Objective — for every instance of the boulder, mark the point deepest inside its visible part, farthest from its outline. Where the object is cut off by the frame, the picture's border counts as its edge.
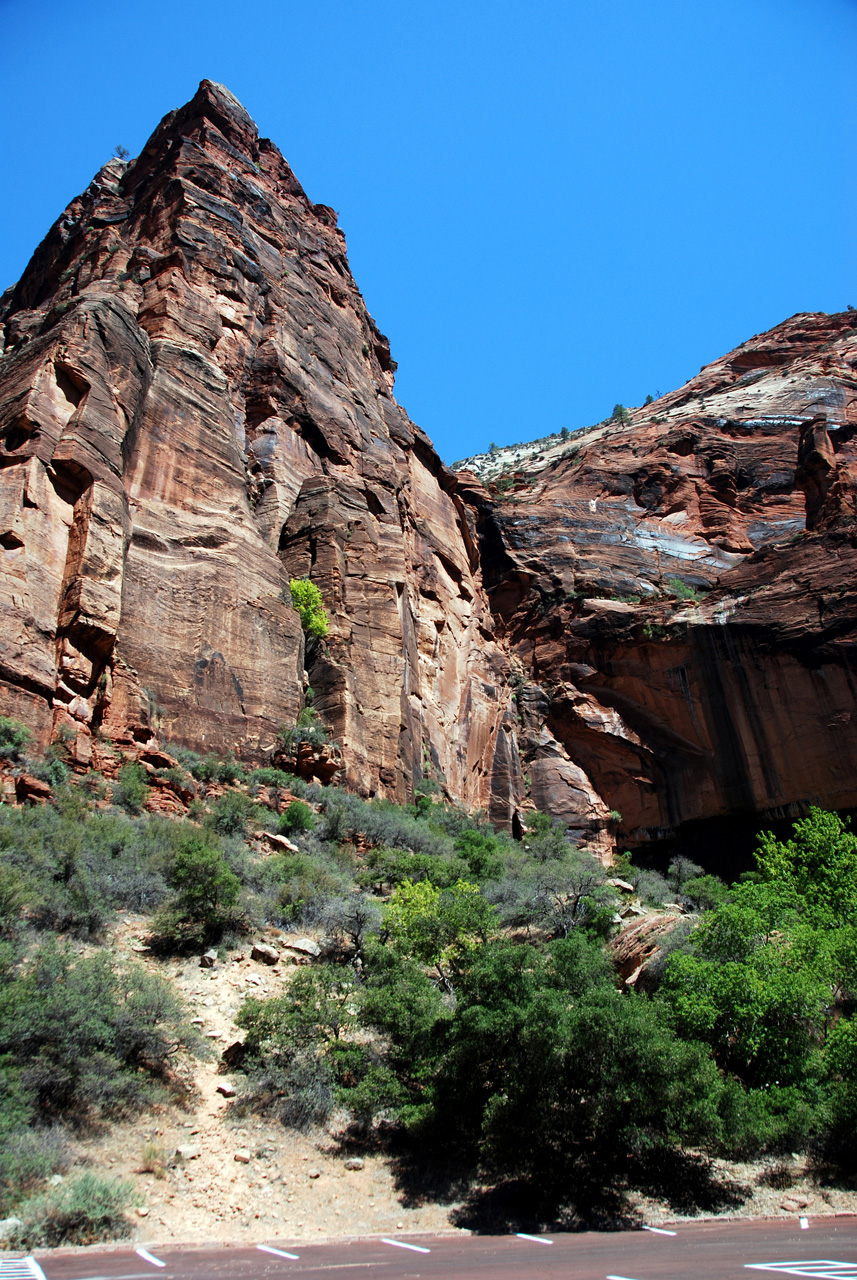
(264, 953)
(304, 946)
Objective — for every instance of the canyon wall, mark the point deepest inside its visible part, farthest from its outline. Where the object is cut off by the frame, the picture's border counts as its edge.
(195, 407)
(648, 624)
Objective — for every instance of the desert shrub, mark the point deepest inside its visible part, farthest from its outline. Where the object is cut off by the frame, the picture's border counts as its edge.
(651, 886)
(80, 1210)
(131, 788)
(231, 812)
(14, 737)
(301, 884)
(71, 867)
(301, 1060)
(350, 919)
(82, 1037)
(28, 1157)
(154, 1159)
(381, 823)
(203, 904)
(297, 817)
(557, 894)
(307, 729)
(211, 768)
(680, 870)
(298, 1090)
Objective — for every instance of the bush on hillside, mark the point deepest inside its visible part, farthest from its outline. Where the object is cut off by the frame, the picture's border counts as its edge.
(80, 1210)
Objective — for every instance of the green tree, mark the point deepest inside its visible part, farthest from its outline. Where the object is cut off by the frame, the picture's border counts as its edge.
(769, 979)
(440, 928)
(307, 599)
(621, 414)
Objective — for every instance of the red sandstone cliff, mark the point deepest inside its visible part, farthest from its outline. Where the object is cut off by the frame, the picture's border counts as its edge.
(195, 406)
(740, 486)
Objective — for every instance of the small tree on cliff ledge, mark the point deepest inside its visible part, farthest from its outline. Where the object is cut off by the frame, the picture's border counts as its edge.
(306, 598)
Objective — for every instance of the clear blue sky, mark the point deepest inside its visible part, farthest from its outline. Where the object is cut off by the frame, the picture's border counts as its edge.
(550, 205)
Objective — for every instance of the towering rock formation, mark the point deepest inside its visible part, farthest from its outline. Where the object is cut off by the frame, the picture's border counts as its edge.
(197, 406)
(647, 625)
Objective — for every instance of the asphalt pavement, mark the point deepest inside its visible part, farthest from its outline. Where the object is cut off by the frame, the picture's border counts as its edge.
(825, 1249)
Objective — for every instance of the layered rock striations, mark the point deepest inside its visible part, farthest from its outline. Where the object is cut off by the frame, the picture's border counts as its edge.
(197, 406)
(679, 594)
(647, 625)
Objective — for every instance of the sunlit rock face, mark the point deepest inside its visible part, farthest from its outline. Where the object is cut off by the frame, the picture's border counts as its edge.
(646, 625)
(197, 406)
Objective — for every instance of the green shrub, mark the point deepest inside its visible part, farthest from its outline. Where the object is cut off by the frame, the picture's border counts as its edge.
(131, 788)
(14, 737)
(204, 901)
(683, 590)
(306, 729)
(82, 1037)
(274, 778)
(297, 817)
(230, 813)
(80, 1210)
(308, 601)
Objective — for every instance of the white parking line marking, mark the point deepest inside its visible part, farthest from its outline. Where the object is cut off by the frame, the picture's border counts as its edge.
(148, 1257)
(21, 1269)
(400, 1244)
(618, 1278)
(522, 1235)
(281, 1253)
(817, 1269)
(659, 1231)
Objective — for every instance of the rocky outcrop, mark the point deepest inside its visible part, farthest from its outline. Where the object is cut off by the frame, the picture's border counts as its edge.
(679, 592)
(647, 625)
(196, 406)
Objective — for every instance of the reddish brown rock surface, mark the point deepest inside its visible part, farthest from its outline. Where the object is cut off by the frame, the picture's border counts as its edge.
(195, 407)
(679, 593)
(653, 619)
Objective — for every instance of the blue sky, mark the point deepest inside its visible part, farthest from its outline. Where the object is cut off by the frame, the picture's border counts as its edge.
(550, 205)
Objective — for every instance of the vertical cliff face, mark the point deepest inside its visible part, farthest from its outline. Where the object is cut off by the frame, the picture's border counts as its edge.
(197, 406)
